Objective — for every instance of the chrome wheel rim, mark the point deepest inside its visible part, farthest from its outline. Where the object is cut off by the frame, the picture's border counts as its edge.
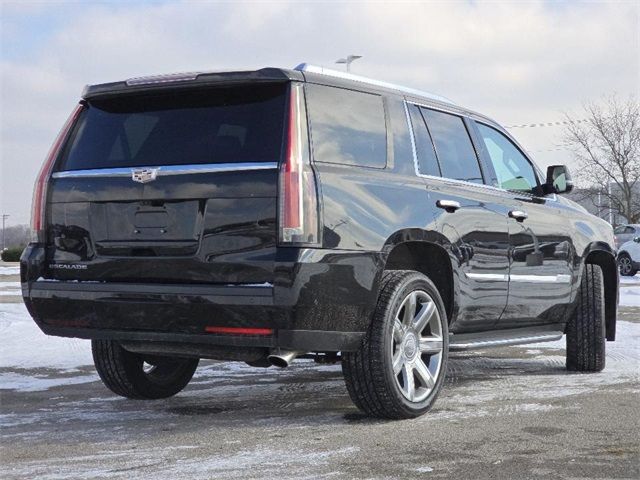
(625, 265)
(417, 346)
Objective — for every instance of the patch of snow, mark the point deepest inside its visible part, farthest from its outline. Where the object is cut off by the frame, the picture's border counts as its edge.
(23, 345)
(9, 271)
(635, 280)
(630, 295)
(38, 383)
(424, 469)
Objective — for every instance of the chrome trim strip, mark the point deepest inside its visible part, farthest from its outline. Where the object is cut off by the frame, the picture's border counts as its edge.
(540, 278)
(561, 278)
(453, 181)
(499, 277)
(168, 170)
(305, 67)
(413, 138)
(471, 344)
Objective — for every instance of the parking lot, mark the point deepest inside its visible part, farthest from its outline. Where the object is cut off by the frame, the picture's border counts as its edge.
(507, 413)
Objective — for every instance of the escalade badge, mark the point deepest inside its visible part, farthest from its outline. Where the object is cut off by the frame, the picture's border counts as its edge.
(144, 175)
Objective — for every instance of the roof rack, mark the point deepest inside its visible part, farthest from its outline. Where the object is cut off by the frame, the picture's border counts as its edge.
(305, 67)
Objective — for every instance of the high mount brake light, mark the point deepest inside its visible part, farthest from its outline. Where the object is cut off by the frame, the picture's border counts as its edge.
(38, 205)
(298, 196)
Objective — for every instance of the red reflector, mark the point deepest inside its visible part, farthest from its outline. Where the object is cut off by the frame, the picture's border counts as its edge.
(239, 330)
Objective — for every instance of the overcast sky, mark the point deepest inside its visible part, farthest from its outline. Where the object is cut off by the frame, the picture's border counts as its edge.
(518, 62)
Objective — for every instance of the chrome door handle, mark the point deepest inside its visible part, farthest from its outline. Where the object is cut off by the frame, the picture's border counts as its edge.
(448, 205)
(519, 215)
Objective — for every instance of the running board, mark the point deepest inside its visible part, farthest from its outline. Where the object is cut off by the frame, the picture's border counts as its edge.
(503, 338)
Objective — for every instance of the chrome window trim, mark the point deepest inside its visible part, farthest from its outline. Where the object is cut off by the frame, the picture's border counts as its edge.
(511, 193)
(306, 67)
(167, 170)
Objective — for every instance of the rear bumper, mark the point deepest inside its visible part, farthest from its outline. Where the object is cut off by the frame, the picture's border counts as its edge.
(322, 301)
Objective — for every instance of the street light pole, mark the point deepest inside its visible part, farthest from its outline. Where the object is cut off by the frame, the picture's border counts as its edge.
(348, 61)
(4, 217)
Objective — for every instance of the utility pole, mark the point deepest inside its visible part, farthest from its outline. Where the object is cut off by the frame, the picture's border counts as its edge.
(347, 61)
(4, 218)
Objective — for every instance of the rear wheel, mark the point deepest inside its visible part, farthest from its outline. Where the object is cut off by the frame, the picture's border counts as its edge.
(586, 328)
(399, 368)
(625, 265)
(138, 376)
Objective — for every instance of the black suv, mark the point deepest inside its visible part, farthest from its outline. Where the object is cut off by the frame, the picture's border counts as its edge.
(262, 215)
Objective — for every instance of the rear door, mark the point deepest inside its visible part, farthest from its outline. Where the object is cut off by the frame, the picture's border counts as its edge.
(472, 218)
(541, 246)
(177, 187)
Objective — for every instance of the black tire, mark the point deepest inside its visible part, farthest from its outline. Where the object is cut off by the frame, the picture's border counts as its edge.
(369, 372)
(124, 372)
(586, 328)
(625, 265)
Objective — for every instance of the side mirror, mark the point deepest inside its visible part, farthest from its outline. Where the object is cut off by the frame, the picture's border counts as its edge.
(636, 239)
(558, 180)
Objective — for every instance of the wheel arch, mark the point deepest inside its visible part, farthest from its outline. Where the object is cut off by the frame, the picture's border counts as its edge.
(605, 258)
(425, 252)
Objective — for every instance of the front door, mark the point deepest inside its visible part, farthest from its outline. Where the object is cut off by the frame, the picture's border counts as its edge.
(540, 273)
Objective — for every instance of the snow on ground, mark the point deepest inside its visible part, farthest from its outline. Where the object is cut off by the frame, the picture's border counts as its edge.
(13, 270)
(24, 346)
(630, 291)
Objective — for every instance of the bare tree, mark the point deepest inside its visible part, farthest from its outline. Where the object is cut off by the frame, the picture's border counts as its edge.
(607, 146)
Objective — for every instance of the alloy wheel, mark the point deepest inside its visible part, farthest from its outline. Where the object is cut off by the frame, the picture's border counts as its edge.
(417, 346)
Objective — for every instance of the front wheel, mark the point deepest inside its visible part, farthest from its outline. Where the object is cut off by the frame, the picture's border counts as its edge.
(138, 376)
(586, 335)
(400, 365)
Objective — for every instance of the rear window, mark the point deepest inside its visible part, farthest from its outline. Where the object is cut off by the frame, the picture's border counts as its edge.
(347, 127)
(226, 125)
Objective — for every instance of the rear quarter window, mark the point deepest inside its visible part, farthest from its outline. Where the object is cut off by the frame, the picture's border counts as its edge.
(347, 127)
(222, 125)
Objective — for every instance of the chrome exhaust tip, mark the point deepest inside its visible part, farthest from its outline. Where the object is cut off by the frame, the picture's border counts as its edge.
(282, 358)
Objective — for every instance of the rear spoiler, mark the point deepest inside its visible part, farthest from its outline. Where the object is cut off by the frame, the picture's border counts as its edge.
(179, 81)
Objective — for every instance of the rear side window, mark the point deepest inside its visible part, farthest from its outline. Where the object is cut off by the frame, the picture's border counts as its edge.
(226, 125)
(455, 151)
(427, 161)
(347, 127)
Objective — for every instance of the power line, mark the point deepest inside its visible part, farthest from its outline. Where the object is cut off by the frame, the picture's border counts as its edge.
(548, 124)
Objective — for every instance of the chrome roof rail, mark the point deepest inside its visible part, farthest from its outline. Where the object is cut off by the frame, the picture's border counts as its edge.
(305, 67)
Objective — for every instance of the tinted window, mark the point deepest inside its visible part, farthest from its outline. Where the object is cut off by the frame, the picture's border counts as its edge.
(513, 170)
(453, 146)
(402, 152)
(427, 161)
(217, 126)
(347, 127)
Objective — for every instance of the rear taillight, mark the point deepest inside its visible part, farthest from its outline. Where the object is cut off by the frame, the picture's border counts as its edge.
(40, 187)
(298, 194)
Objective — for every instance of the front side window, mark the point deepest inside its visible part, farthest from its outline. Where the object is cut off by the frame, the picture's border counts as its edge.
(512, 168)
(347, 127)
(453, 145)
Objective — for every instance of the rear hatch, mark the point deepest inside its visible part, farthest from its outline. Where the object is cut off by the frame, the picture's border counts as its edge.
(173, 186)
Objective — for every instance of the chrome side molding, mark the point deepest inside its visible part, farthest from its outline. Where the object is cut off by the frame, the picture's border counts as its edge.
(499, 277)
